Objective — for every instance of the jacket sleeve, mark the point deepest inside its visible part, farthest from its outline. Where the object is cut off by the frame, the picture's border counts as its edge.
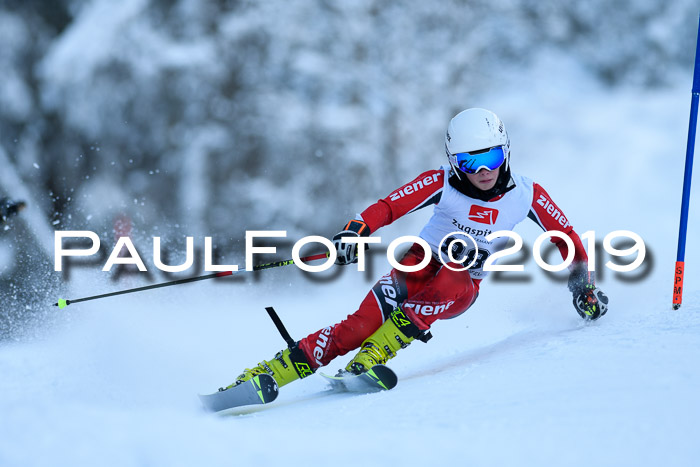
(548, 216)
(423, 191)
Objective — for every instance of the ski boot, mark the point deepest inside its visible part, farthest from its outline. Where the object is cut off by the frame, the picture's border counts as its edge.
(287, 365)
(396, 333)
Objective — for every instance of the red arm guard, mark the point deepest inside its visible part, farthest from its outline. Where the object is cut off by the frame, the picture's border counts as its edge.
(550, 217)
(425, 190)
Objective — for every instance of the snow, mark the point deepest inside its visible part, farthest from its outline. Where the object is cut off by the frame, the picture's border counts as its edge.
(101, 25)
(499, 386)
(518, 380)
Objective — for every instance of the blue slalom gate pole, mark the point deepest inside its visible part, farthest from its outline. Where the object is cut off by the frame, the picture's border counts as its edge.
(685, 204)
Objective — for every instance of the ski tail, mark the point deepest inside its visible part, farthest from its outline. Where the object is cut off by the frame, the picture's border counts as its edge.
(377, 378)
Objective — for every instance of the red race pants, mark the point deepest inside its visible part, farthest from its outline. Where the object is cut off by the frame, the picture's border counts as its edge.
(435, 292)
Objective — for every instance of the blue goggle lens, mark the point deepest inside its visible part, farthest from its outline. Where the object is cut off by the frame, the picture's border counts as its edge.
(471, 163)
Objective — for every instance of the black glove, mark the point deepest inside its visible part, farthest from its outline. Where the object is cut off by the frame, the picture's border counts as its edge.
(590, 302)
(347, 252)
(9, 207)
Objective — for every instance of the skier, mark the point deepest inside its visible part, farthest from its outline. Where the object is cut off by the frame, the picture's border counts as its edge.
(9, 207)
(476, 194)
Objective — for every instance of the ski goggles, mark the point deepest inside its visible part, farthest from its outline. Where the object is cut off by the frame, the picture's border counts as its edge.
(472, 162)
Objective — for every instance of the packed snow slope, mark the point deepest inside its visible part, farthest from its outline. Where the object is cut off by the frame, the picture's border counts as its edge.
(518, 380)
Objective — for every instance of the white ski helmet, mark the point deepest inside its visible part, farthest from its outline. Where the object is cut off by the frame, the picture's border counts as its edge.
(474, 131)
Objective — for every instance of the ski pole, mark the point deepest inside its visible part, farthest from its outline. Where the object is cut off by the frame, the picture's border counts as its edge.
(280, 326)
(62, 303)
(685, 203)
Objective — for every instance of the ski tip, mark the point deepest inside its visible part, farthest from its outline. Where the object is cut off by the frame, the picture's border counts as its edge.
(206, 401)
(262, 389)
